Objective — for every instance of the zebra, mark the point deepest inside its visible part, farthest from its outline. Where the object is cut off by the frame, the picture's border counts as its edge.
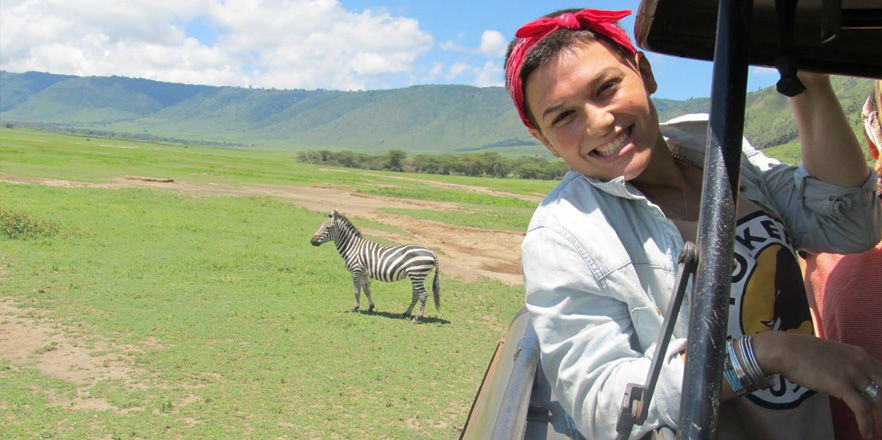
(367, 259)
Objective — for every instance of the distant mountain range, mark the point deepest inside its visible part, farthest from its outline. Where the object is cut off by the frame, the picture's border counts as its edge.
(425, 119)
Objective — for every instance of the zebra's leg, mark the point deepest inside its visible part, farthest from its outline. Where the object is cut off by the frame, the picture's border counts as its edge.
(356, 281)
(367, 293)
(418, 294)
(413, 300)
(423, 294)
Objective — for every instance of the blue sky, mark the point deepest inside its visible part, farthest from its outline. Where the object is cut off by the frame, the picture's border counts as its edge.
(464, 21)
(308, 44)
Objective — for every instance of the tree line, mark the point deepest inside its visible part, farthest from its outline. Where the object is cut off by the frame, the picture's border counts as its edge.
(487, 164)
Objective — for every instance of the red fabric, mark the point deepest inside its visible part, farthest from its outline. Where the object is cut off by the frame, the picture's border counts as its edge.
(597, 21)
(848, 293)
(872, 125)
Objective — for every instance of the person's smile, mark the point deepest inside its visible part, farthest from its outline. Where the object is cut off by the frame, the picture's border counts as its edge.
(614, 146)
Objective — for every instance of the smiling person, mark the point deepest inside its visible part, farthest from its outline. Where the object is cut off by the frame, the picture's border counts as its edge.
(600, 254)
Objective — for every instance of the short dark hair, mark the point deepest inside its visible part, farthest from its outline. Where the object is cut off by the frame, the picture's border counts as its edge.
(554, 43)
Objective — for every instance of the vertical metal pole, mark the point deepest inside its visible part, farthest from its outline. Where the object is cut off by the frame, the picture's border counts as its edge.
(700, 403)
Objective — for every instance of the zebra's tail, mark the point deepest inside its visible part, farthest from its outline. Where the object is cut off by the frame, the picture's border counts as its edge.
(436, 286)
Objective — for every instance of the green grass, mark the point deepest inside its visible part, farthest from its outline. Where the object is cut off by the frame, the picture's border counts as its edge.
(31, 154)
(51, 155)
(233, 325)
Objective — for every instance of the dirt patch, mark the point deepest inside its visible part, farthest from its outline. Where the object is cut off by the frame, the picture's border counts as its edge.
(29, 339)
(468, 254)
(150, 179)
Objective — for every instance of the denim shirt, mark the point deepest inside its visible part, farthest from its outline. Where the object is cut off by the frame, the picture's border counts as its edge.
(600, 261)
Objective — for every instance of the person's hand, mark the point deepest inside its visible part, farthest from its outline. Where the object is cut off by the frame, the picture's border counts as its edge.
(839, 370)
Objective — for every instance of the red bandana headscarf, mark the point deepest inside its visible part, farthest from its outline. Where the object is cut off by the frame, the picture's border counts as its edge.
(599, 22)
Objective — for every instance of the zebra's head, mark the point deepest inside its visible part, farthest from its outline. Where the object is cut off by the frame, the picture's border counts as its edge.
(323, 235)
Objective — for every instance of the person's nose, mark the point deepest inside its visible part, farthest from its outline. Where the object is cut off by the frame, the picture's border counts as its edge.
(599, 118)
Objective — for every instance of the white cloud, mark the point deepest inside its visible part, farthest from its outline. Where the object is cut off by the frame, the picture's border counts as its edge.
(437, 68)
(434, 73)
(457, 69)
(659, 60)
(452, 46)
(491, 74)
(493, 44)
(274, 43)
(761, 70)
(488, 75)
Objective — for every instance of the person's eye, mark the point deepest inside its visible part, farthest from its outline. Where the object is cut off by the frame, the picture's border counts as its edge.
(607, 86)
(561, 117)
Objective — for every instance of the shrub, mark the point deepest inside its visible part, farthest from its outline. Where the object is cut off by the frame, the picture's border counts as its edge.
(19, 225)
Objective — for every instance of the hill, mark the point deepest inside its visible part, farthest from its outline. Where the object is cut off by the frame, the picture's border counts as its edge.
(428, 118)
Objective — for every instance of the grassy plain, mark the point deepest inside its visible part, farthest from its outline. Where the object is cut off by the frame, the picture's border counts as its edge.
(227, 322)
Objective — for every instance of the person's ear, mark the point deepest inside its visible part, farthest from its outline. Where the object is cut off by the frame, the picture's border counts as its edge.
(544, 140)
(646, 73)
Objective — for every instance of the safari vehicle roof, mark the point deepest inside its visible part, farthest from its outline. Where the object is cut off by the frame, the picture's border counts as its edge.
(687, 28)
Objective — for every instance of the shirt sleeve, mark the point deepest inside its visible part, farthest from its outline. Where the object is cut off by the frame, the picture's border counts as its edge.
(820, 216)
(587, 337)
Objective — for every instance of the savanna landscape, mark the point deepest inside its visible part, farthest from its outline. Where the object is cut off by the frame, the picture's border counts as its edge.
(163, 290)
(157, 279)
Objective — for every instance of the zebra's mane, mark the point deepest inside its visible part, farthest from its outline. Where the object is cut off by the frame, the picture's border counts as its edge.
(348, 225)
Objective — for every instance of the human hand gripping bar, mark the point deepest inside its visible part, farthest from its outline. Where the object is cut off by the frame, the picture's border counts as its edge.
(635, 405)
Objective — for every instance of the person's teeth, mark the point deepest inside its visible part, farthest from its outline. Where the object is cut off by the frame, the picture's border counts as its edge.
(615, 145)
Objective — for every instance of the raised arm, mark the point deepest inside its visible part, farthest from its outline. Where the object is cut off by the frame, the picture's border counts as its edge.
(830, 151)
